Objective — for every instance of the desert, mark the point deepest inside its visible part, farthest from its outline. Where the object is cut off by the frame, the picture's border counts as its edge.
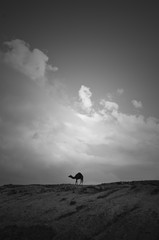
(112, 211)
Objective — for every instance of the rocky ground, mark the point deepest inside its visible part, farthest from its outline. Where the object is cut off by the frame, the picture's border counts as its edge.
(121, 211)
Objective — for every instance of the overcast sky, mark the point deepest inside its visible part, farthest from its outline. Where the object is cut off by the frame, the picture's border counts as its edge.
(79, 91)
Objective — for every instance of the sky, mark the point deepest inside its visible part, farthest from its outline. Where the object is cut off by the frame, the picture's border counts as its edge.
(79, 91)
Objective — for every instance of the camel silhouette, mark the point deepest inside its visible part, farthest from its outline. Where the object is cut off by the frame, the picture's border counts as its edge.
(78, 176)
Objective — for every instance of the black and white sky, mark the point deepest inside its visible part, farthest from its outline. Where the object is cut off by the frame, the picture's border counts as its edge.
(79, 91)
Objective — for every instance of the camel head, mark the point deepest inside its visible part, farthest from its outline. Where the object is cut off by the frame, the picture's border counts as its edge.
(71, 176)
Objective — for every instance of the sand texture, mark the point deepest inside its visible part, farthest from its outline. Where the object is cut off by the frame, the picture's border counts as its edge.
(112, 211)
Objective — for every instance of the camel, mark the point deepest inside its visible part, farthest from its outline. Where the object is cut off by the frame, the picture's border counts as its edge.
(78, 176)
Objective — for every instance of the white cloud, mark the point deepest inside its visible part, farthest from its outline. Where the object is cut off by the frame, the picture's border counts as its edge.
(54, 69)
(110, 106)
(120, 91)
(85, 97)
(36, 124)
(110, 96)
(137, 104)
(62, 136)
(31, 63)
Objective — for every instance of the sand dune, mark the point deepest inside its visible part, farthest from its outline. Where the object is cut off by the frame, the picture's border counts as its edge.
(121, 211)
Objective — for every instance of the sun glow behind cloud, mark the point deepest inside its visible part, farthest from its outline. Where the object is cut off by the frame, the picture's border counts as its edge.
(46, 129)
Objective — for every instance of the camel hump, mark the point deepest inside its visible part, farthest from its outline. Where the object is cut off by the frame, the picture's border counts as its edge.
(79, 175)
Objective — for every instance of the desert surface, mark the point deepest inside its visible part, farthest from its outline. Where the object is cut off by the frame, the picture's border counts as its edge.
(112, 211)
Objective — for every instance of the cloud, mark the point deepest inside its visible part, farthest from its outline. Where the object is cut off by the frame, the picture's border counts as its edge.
(110, 96)
(31, 63)
(113, 95)
(54, 69)
(58, 137)
(85, 97)
(137, 104)
(44, 136)
(120, 91)
(110, 106)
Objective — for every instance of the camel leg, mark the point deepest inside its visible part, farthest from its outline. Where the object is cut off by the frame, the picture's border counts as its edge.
(81, 182)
